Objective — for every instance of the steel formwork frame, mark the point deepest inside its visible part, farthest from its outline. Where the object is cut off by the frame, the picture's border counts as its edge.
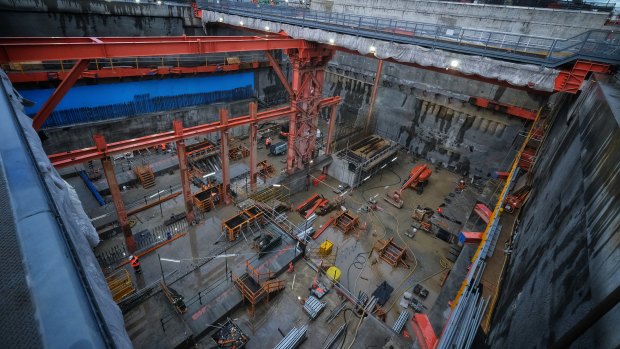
(305, 98)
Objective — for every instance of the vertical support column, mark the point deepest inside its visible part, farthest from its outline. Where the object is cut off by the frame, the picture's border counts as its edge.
(177, 126)
(224, 155)
(373, 96)
(253, 146)
(292, 128)
(117, 198)
(330, 134)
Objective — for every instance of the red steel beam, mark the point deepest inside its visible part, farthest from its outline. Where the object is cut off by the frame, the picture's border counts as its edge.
(122, 72)
(224, 155)
(117, 198)
(14, 50)
(58, 93)
(504, 108)
(75, 157)
(279, 73)
(177, 126)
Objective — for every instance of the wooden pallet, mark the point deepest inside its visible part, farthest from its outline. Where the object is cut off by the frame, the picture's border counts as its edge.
(391, 253)
(265, 169)
(346, 222)
(238, 152)
(145, 175)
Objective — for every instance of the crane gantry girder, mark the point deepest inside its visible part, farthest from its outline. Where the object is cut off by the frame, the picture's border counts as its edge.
(14, 50)
(79, 156)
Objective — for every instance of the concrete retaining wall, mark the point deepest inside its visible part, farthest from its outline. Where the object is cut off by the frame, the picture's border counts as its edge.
(431, 122)
(523, 20)
(95, 18)
(567, 253)
(80, 136)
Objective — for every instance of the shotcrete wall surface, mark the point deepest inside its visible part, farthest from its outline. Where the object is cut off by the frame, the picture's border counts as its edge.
(536, 77)
(523, 20)
(96, 18)
(445, 131)
(567, 252)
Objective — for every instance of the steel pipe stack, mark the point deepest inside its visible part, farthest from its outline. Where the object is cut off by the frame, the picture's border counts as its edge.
(293, 339)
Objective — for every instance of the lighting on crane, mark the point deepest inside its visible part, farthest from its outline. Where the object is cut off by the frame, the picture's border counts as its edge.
(267, 28)
(331, 41)
(241, 23)
(454, 63)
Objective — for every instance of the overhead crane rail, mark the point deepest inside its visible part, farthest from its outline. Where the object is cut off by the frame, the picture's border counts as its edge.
(601, 46)
(30, 49)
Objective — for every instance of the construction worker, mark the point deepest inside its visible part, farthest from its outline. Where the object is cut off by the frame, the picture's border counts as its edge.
(461, 186)
(267, 142)
(135, 264)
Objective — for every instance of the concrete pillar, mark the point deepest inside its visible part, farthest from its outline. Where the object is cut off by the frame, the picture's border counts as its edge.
(373, 96)
(330, 134)
(492, 127)
(253, 146)
(476, 123)
(484, 124)
(499, 131)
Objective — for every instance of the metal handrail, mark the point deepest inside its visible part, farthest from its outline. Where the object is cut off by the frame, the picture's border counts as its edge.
(596, 45)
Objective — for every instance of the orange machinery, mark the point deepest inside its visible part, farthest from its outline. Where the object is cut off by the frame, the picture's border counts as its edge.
(417, 178)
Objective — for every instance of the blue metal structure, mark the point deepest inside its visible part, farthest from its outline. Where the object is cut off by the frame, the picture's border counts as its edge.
(595, 45)
(91, 103)
(92, 188)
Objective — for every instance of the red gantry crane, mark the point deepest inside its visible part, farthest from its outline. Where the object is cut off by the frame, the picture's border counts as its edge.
(417, 179)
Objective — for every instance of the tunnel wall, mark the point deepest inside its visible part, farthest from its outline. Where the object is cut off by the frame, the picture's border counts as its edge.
(96, 18)
(522, 20)
(428, 117)
(567, 252)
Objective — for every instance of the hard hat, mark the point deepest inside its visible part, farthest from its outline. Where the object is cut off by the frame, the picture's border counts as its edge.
(131, 257)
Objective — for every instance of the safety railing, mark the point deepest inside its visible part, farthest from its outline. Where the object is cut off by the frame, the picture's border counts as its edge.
(216, 59)
(595, 45)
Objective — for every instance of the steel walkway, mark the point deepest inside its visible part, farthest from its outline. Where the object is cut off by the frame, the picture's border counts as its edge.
(596, 45)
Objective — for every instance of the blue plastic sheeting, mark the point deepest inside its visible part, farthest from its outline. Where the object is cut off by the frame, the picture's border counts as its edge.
(143, 104)
(92, 188)
(106, 101)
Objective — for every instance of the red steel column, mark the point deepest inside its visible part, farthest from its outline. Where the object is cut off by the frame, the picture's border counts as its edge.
(330, 134)
(224, 155)
(253, 146)
(292, 128)
(58, 93)
(117, 198)
(373, 96)
(177, 126)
